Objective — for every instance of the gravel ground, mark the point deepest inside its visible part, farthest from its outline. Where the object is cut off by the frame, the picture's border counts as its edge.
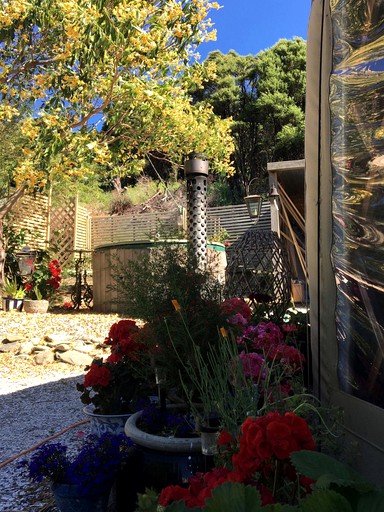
(37, 402)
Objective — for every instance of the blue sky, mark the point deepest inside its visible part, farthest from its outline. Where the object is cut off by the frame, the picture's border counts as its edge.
(248, 26)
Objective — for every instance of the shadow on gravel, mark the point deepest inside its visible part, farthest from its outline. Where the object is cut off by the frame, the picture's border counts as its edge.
(28, 417)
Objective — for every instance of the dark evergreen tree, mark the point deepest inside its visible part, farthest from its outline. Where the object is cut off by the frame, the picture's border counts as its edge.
(265, 96)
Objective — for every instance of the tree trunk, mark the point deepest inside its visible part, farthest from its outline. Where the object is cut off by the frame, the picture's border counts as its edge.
(4, 209)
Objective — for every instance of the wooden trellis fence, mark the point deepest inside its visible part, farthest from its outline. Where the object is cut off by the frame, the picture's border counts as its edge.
(235, 219)
(31, 215)
(70, 230)
(146, 226)
(132, 228)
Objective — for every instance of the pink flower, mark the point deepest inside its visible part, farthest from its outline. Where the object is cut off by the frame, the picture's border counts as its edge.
(237, 319)
(253, 365)
(231, 307)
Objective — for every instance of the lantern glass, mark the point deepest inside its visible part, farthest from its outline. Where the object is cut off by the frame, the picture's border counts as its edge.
(253, 203)
(26, 261)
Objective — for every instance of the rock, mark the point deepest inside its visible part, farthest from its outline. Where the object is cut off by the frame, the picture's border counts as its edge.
(74, 357)
(82, 347)
(26, 348)
(35, 340)
(40, 348)
(97, 341)
(45, 357)
(10, 338)
(62, 347)
(10, 347)
(58, 338)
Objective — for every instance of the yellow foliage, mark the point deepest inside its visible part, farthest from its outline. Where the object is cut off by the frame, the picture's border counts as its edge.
(88, 63)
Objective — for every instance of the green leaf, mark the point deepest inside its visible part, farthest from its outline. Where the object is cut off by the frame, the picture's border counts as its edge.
(278, 507)
(234, 497)
(320, 466)
(180, 506)
(372, 502)
(326, 501)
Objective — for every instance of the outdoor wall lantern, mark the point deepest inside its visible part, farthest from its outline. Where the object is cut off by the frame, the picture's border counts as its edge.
(253, 202)
(26, 260)
(273, 193)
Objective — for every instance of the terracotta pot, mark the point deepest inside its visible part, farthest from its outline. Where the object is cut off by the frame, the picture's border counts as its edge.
(35, 306)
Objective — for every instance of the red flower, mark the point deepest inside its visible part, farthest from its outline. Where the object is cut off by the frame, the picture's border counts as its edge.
(232, 307)
(55, 283)
(97, 376)
(289, 327)
(301, 431)
(121, 330)
(127, 347)
(54, 268)
(200, 488)
(279, 392)
(287, 354)
(266, 496)
(307, 483)
(172, 493)
(280, 439)
(224, 438)
(267, 436)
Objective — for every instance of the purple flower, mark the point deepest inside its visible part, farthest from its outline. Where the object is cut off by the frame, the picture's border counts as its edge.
(97, 461)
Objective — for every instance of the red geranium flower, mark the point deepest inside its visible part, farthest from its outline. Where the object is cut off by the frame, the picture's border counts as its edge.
(121, 330)
(267, 436)
(97, 376)
(266, 496)
(224, 438)
(172, 493)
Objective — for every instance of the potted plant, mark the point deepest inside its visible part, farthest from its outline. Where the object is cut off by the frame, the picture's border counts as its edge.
(13, 295)
(327, 484)
(42, 283)
(260, 455)
(80, 481)
(112, 387)
(247, 370)
(254, 384)
(169, 444)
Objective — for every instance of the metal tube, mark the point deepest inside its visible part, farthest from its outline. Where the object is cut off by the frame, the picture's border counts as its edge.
(196, 173)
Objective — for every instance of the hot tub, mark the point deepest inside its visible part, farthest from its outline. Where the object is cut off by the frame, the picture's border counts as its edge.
(104, 256)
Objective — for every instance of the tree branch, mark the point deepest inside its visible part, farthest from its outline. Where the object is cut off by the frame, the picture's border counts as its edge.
(11, 201)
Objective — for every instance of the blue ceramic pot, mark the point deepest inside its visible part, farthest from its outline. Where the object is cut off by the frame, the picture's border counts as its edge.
(105, 423)
(165, 460)
(69, 498)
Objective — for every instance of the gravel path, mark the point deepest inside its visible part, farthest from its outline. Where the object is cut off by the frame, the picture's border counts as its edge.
(37, 402)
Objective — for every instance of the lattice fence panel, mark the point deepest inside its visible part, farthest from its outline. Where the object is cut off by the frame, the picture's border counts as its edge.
(133, 228)
(70, 230)
(235, 220)
(146, 226)
(31, 214)
(63, 231)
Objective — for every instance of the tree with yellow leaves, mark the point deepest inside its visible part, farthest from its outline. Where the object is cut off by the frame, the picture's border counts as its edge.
(124, 65)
